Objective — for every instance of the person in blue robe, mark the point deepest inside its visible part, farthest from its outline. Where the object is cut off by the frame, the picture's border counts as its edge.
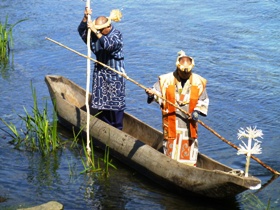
(108, 87)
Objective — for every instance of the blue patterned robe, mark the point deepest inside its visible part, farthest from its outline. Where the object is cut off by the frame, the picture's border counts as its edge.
(108, 87)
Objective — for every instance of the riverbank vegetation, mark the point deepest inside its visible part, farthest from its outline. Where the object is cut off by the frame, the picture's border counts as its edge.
(39, 133)
(6, 40)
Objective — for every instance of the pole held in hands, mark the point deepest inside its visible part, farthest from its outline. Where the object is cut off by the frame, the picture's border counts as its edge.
(175, 105)
(88, 80)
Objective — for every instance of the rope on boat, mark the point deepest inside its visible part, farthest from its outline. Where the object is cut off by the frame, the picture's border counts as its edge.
(237, 172)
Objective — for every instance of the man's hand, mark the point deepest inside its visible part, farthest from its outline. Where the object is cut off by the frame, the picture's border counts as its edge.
(195, 115)
(149, 91)
(91, 26)
(87, 12)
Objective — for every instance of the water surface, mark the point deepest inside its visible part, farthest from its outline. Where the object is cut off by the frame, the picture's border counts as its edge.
(236, 47)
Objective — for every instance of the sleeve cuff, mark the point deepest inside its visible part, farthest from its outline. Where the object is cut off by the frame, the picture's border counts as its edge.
(102, 40)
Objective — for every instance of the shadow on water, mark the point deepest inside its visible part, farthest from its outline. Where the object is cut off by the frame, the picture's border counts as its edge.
(127, 189)
(175, 200)
(270, 181)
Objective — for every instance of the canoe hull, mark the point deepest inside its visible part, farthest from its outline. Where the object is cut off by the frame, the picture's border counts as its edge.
(139, 145)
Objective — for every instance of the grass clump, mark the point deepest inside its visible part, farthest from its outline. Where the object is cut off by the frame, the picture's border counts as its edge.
(91, 164)
(6, 40)
(39, 132)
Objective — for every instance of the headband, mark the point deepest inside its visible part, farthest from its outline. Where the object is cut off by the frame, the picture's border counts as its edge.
(115, 15)
(105, 25)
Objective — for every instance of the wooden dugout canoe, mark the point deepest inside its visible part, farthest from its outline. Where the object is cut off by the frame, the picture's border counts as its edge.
(138, 145)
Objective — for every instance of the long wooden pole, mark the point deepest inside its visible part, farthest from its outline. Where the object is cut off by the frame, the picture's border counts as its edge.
(178, 107)
(88, 81)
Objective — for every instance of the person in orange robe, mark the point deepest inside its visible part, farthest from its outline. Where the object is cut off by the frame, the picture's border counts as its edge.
(187, 90)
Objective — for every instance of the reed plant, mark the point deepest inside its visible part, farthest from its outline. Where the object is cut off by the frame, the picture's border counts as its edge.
(6, 40)
(107, 162)
(76, 136)
(72, 170)
(14, 133)
(89, 161)
(251, 201)
(39, 133)
(94, 166)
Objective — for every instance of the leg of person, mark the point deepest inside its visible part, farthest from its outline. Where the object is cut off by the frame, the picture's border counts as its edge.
(114, 118)
(105, 116)
(118, 121)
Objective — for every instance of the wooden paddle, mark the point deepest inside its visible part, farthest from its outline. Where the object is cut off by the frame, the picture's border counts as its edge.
(178, 107)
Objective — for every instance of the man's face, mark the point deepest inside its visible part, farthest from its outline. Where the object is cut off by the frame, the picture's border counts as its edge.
(105, 31)
(183, 71)
(184, 74)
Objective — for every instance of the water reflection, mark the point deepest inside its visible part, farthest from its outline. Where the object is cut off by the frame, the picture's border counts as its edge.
(42, 172)
(126, 189)
(7, 68)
